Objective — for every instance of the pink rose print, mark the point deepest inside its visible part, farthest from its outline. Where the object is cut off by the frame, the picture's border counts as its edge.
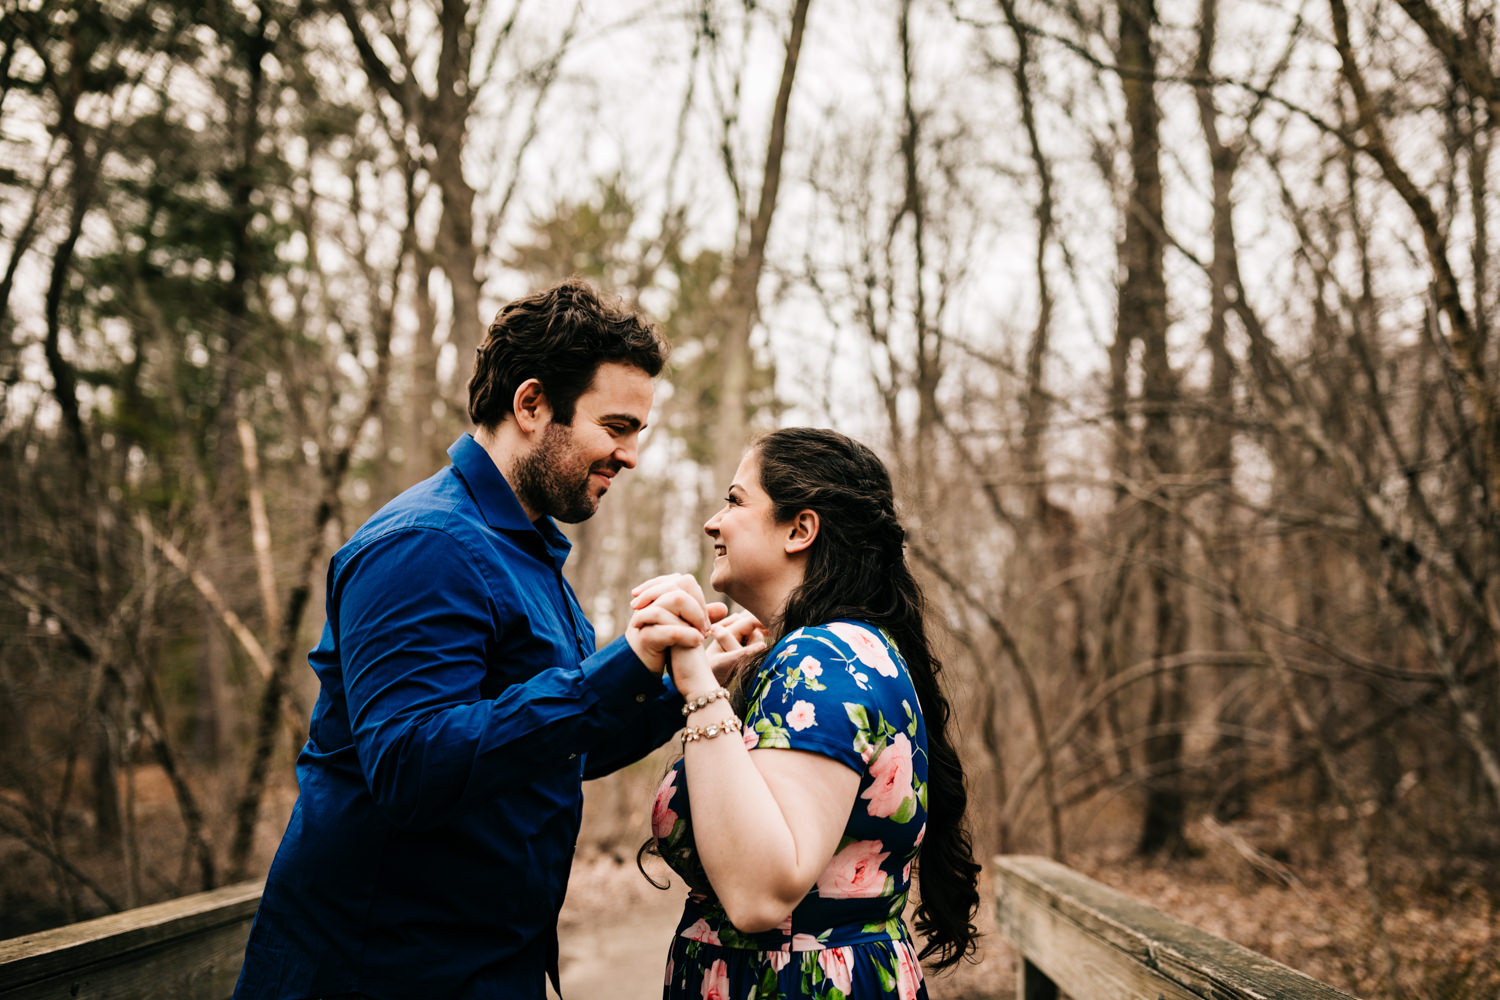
(835, 965)
(751, 737)
(777, 960)
(892, 778)
(920, 834)
(716, 982)
(869, 649)
(662, 818)
(810, 667)
(908, 972)
(702, 932)
(801, 716)
(806, 942)
(668, 980)
(854, 872)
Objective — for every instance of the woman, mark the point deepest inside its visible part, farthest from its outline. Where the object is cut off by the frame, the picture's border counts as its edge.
(798, 837)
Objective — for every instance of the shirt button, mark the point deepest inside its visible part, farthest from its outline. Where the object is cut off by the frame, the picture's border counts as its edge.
(640, 699)
(572, 756)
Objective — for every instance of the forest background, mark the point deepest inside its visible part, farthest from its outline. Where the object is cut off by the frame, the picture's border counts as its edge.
(1175, 320)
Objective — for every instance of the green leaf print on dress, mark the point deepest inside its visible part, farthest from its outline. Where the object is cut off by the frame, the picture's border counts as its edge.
(870, 739)
(771, 732)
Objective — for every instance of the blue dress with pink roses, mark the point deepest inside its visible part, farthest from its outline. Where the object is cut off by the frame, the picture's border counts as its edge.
(841, 690)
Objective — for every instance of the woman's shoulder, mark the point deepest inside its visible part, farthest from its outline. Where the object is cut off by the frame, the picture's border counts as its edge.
(862, 650)
(844, 677)
(857, 642)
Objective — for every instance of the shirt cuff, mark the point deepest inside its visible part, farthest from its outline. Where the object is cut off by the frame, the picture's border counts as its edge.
(616, 675)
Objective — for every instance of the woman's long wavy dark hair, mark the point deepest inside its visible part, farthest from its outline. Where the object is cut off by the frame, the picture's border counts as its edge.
(856, 569)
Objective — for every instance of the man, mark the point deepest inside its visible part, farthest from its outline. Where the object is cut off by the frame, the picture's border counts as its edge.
(462, 699)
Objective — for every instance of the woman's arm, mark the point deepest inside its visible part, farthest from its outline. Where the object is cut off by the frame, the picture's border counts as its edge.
(765, 822)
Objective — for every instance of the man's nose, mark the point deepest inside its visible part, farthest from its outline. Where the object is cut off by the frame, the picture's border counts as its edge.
(627, 453)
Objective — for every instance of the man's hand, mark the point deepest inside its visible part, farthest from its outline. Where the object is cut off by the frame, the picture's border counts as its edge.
(668, 611)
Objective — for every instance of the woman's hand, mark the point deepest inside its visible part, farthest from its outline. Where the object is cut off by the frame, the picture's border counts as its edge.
(732, 641)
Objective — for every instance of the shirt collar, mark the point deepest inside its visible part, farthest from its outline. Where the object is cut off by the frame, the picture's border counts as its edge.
(497, 501)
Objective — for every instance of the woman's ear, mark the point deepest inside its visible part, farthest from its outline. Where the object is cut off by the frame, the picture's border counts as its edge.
(804, 529)
(530, 406)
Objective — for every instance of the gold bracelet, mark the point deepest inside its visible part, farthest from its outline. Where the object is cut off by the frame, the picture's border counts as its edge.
(703, 701)
(694, 733)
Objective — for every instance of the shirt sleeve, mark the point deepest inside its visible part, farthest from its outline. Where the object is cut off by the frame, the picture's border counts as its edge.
(814, 694)
(638, 733)
(416, 623)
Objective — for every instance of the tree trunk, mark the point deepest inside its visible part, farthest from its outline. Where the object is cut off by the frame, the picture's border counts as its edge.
(440, 121)
(1216, 458)
(1143, 318)
(742, 299)
(446, 128)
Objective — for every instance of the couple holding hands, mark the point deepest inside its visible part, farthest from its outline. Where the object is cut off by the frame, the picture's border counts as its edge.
(464, 700)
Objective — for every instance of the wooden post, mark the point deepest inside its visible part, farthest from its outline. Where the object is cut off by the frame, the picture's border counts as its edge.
(1034, 983)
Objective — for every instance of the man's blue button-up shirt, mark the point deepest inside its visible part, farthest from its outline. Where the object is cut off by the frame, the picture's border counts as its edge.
(462, 704)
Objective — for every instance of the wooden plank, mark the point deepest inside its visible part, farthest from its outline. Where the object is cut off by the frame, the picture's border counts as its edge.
(189, 948)
(1097, 943)
(1083, 964)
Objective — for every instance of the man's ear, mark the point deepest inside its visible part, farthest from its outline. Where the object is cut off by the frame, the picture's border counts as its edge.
(804, 530)
(530, 406)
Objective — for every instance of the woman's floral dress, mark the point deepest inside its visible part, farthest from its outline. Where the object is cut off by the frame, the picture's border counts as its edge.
(841, 690)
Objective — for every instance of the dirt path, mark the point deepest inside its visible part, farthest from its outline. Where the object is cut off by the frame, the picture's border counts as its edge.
(614, 932)
(615, 928)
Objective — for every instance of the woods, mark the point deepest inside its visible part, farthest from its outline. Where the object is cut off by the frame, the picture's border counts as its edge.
(1176, 320)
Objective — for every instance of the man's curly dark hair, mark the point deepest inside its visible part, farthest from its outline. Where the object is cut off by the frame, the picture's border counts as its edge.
(559, 336)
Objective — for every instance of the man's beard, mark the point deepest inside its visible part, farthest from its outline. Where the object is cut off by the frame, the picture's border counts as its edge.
(551, 480)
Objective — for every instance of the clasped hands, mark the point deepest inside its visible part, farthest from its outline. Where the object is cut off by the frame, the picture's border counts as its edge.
(698, 642)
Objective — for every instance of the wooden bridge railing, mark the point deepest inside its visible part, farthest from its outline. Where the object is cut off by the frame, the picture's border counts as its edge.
(1075, 937)
(1079, 938)
(184, 949)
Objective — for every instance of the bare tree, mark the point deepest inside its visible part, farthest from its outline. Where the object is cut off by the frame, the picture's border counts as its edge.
(740, 307)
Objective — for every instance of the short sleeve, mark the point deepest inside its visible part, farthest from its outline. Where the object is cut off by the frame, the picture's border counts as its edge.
(823, 690)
